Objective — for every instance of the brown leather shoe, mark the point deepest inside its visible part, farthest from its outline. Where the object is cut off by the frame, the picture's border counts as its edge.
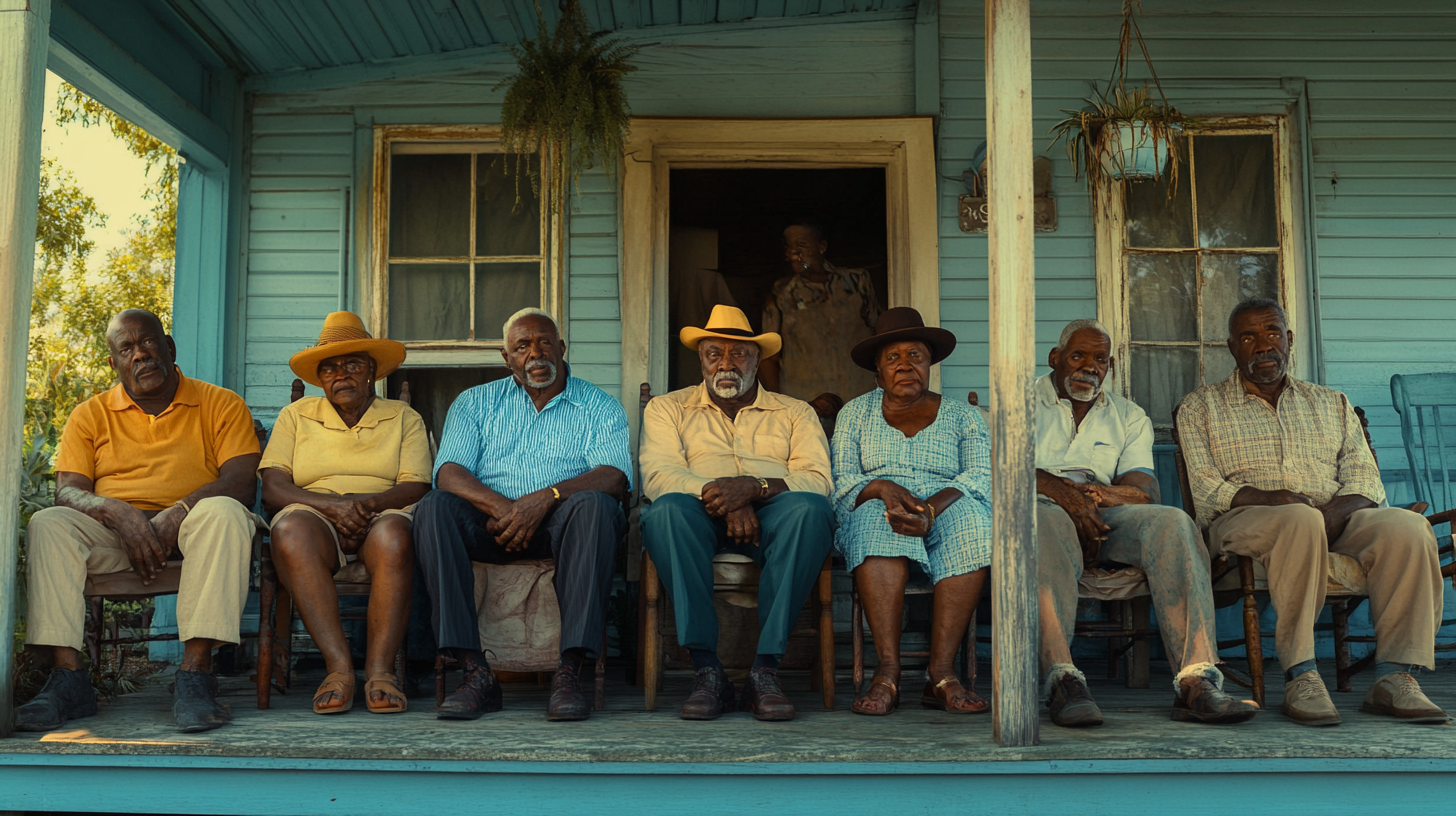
(567, 703)
(764, 698)
(1307, 702)
(1203, 700)
(712, 696)
(478, 693)
(1400, 696)
(1070, 702)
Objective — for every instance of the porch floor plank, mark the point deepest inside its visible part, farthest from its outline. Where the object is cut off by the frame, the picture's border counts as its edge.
(1137, 727)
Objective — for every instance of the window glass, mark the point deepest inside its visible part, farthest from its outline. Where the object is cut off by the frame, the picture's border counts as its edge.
(429, 301)
(429, 206)
(503, 226)
(1191, 258)
(501, 290)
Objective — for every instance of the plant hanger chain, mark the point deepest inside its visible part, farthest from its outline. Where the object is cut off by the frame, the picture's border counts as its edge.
(1130, 30)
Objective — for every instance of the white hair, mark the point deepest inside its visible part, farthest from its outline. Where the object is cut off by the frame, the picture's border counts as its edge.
(529, 311)
(1078, 325)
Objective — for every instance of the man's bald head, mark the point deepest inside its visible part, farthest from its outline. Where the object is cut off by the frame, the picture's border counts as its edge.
(143, 317)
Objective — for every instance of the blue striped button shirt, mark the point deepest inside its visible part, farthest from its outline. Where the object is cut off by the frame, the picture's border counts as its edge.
(494, 431)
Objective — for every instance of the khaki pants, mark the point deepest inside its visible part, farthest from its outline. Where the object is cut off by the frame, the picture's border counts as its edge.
(1396, 548)
(63, 546)
(1161, 541)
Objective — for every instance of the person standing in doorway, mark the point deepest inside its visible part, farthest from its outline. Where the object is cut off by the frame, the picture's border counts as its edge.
(819, 310)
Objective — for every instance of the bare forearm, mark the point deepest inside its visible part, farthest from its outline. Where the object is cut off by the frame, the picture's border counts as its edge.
(1134, 487)
(237, 479)
(97, 507)
(279, 491)
(400, 496)
(453, 478)
(944, 499)
(605, 479)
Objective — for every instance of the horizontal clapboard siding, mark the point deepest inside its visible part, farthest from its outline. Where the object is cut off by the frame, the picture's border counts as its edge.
(301, 178)
(304, 142)
(1381, 85)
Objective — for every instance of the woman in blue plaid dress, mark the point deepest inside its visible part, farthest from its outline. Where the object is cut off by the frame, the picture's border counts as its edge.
(912, 476)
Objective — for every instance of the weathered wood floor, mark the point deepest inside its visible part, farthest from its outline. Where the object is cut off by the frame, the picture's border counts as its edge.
(1137, 728)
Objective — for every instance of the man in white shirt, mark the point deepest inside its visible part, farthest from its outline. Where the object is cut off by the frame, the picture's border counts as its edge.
(1097, 501)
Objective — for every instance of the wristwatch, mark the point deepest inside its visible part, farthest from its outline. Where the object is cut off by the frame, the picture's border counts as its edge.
(762, 487)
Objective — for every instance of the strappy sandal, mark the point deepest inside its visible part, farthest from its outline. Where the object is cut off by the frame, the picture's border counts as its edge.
(861, 706)
(340, 683)
(387, 684)
(950, 695)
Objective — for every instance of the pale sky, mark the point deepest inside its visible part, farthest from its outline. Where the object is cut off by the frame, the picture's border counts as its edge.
(103, 168)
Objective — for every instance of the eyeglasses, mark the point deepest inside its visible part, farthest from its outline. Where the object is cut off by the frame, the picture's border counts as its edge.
(350, 367)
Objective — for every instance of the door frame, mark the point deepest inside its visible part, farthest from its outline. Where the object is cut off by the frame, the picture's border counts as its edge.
(904, 147)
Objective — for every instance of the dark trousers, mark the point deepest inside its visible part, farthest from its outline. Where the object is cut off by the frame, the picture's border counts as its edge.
(797, 530)
(581, 535)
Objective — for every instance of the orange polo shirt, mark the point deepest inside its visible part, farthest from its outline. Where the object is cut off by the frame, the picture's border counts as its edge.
(152, 461)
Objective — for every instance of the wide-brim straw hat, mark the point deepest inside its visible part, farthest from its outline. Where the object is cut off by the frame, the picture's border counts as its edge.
(344, 333)
(899, 324)
(730, 323)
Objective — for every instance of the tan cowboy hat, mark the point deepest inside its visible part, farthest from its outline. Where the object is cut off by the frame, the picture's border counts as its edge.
(343, 333)
(730, 323)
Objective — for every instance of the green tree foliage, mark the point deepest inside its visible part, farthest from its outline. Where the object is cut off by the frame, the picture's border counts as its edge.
(73, 303)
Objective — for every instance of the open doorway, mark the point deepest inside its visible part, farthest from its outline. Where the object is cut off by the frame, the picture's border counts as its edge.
(726, 244)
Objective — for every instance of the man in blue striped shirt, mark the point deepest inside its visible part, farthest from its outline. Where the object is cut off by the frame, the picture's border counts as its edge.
(534, 465)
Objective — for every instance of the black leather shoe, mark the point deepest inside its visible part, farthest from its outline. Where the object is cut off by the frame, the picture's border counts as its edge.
(195, 705)
(67, 695)
(712, 695)
(1071, 703)
(1200, 700)
(478, 693)
(764, 698)
(567, 702)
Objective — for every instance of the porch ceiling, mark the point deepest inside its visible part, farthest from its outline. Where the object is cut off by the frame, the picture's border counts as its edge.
(266, 37)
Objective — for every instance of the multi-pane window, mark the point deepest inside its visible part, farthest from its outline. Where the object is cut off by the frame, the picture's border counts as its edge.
(1187, 260)
(466, 244)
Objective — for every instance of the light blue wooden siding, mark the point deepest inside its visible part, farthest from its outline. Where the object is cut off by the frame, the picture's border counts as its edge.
(1381, 86)
(298, 216)
(305, 145)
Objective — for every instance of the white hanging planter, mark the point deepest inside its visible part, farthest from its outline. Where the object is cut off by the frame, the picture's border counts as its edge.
(1131, 152)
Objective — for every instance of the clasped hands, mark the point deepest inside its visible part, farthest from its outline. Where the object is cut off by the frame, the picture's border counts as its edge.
(731, 499)
(515, 523)
(148, 542)
(1337, 510)
(908, 514)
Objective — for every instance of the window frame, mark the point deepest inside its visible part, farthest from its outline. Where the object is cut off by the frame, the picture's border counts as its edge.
(552, 258)
(1112, 252)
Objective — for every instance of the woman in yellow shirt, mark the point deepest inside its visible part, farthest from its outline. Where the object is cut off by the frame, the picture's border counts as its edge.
(341, 474)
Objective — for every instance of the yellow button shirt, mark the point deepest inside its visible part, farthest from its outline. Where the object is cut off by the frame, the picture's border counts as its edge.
(687, 442)
(387, 446)
(152, 461)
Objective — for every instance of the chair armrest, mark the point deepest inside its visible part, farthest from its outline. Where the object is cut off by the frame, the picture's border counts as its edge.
(1443, 517)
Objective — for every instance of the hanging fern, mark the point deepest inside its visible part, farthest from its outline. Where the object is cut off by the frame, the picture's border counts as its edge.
(567, 97)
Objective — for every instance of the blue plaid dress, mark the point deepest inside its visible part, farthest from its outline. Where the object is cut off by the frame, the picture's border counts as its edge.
(954, 451)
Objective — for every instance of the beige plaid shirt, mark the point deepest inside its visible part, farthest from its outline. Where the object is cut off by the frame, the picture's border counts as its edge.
(1311, 444)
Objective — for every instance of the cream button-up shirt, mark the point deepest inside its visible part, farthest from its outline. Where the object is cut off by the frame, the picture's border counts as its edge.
(687, 442)
(1115, 436)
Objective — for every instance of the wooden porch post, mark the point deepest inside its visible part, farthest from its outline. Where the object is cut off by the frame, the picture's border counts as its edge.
(24, 38)
(1013, 337)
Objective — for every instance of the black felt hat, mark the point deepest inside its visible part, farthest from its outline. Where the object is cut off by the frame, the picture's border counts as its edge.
(899, 324)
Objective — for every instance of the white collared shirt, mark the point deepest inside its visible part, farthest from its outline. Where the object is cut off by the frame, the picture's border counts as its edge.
(1115, 437)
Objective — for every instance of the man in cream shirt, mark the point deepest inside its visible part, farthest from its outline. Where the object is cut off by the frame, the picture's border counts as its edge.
(730, 464)
(1097, 501)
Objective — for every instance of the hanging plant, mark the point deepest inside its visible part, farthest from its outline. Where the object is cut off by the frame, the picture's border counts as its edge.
(1124, 133)
(566, 99)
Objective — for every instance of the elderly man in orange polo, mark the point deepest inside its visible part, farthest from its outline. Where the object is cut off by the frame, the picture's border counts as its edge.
(157, 467)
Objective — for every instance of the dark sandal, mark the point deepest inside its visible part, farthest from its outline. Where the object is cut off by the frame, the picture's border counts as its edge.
(387, 684)
(340, 683)
(950, 695)
(861, 706)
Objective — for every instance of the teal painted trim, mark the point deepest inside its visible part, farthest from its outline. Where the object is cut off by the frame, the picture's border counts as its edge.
(85, 57)
(207, 785)
(200, 289)
(927, 59)
(476, 59)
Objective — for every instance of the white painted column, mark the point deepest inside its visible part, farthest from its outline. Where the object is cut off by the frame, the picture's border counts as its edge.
(1009, 136)
(24, 38)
